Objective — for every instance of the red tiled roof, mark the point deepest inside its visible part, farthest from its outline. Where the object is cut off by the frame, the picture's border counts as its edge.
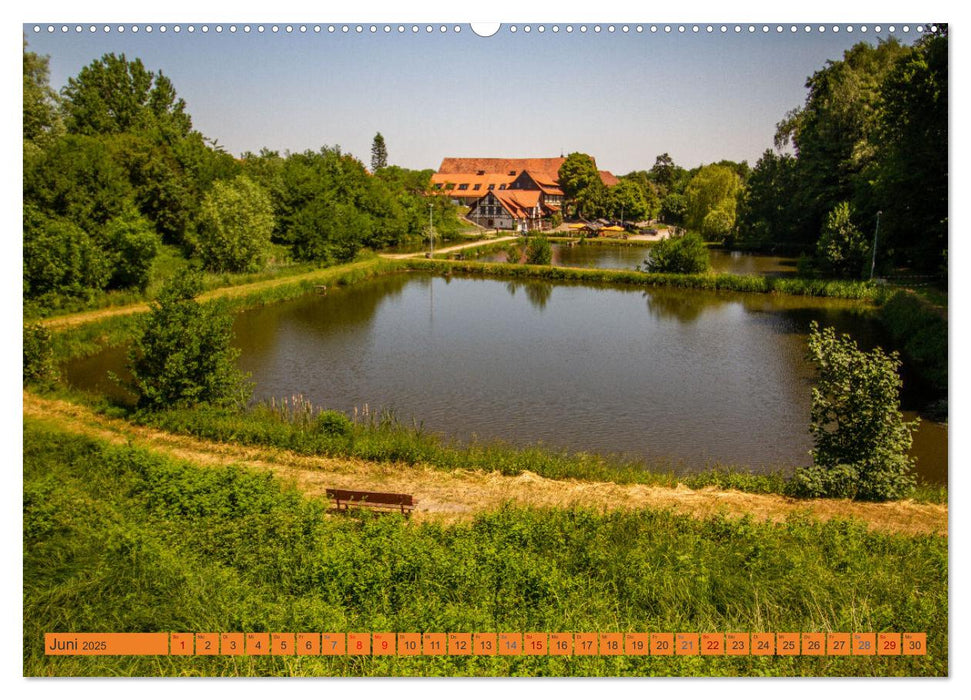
(496, 171)
(519, 203)
(500, 165)
(547, 182)
(608, 178)
(471, 180)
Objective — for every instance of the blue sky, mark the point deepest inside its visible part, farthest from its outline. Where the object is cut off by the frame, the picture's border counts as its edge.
(623, 98)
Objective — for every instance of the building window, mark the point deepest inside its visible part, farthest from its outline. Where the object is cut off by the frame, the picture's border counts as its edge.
(464, 186)
(502, 187)
(477, 186)
(492, 187)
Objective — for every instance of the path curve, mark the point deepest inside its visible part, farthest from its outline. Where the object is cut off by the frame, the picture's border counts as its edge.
(455, 496)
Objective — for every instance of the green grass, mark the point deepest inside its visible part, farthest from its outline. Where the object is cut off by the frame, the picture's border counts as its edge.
(89, 338)
(168, 262)
(843, 289)
(383, 439)
(119, 539)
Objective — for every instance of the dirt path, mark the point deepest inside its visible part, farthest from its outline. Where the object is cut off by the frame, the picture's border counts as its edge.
(450, 249)
(455, 496)
(83, 317)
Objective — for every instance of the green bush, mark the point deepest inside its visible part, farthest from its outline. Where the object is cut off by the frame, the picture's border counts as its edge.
(184, 354)
(38, 354)
(539, 251)
(921, 331)
(842, 248)
(859, 435)
(685, 254)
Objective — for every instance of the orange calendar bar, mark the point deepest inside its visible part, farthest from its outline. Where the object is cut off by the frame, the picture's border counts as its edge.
(207, 643)
(489, 644)
(662, 644)
(712, 644)
(737, 644)
(333, 644)
(231, 643)
(561, 644)
(384, 643)
(112, 644)
(485, 644)
(409, 643)
(308, 644)
(837, 644)
(685, 643)
(510, 643)
(637, 644)
(813, 643)
(459, 644)
(181, 644)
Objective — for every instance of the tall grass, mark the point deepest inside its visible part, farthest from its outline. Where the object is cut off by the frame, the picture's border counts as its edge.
(381, 437)
(119, 539)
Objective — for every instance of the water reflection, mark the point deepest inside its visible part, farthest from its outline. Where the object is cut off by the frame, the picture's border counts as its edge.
(670, 376)
(671, 304)
(537, 292)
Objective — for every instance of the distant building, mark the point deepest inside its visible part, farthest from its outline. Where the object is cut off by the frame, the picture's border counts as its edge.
(525, 191)
(518, 210)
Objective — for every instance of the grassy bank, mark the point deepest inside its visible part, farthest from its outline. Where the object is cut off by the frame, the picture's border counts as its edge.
(119, 539)
(166, 265)
(105, 330)
(842, 289)
(383, 439)
(919, 329)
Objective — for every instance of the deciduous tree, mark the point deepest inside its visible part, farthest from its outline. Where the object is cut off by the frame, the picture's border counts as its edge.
(859, 435)
(235, 225)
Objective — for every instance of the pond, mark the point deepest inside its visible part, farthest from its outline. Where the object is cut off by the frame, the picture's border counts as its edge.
(679, 378)
(618, 256)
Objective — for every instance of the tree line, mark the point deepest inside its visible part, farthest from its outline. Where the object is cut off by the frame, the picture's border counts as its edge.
(115, 173)
(870, 139)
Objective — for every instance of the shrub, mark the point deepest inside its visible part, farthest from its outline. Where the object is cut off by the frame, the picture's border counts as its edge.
(38, 354)
(682, 254)
(539, 251)
(921, 330)
(860, 438)
(184, 354)
(842, 248)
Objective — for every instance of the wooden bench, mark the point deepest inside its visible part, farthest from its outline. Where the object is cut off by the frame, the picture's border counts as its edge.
(373, 500)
